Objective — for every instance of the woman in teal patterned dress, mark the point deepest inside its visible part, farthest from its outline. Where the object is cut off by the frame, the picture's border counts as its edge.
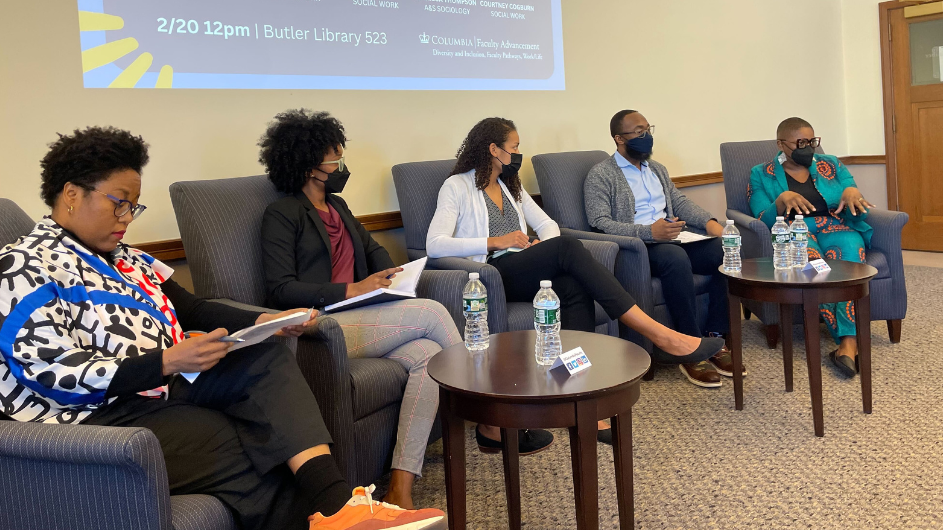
(820, 187)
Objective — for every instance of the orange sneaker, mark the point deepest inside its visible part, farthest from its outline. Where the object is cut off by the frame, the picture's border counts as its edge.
(363, 513)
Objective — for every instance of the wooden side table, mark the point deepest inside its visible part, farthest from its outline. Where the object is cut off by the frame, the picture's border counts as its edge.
(503, 386)
(847, 281)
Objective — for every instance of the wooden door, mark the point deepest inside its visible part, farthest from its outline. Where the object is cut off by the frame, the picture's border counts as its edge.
(914, 48)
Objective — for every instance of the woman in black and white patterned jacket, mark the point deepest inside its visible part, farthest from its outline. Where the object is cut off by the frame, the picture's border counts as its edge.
(92, 331)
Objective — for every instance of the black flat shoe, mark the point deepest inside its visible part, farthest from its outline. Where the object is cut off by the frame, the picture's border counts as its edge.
(529, 441)
(708, 347)
(604, 436)
(845, 364)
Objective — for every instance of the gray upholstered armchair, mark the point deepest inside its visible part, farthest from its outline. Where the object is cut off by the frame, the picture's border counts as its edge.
(888, 288)
(90, 477)
(560, 177)
(220, 224)
(417, 187)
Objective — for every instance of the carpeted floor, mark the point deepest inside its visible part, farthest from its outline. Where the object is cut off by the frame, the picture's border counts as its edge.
(700, 464)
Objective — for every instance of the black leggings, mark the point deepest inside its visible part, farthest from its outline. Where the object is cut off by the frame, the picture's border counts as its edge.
(578, 279)
(230, 433)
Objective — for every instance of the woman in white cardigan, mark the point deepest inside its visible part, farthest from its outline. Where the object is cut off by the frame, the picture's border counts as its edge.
(483, 214)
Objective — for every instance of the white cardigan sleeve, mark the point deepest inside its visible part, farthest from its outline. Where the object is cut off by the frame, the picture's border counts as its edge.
(440, 240)
(537, 219)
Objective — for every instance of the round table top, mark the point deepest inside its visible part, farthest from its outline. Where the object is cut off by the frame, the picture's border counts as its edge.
(760, 271)
(508, 369)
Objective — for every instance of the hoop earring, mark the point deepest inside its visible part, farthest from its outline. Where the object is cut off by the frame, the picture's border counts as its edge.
(70, 209)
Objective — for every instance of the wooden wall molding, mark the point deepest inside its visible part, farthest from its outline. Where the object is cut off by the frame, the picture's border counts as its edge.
(863, 160)
(166, 250)
(172, 249)
(698, 180)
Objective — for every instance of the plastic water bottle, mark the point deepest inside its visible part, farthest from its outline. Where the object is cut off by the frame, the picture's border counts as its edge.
(731, 241)
(475, 305)
(547, 324)
(782, 258)
(799, 239)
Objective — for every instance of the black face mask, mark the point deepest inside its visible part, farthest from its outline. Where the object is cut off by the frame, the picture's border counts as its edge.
(510, 170)
(640, 148)
(336, 181)
(804, 156)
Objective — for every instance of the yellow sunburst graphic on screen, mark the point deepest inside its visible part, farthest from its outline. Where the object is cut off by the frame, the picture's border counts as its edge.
(110, 52)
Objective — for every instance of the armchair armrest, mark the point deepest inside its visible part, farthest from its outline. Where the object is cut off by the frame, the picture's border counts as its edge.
(633, 272)
(625, 242)
(446, 288)
(497, 303)
(89, 475)
(604, 252)
(754, 235)
(887, 226)
(322, 358)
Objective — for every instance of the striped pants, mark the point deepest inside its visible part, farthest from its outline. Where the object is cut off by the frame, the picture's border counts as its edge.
(409, 332)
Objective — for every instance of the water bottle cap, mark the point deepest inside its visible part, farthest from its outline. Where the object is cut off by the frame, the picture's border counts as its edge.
(472, 275)
(729, 221)
(780, 218)
(799, 217)
(545, 284)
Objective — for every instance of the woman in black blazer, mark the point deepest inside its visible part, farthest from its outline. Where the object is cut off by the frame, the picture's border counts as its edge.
(316, 253)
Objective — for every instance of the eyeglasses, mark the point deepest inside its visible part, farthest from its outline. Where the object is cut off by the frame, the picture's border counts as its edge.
(340, 164)
(649, 131)
(802, 143)
(123, 207)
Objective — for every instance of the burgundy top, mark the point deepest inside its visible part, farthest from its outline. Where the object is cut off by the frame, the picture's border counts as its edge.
(342, 248)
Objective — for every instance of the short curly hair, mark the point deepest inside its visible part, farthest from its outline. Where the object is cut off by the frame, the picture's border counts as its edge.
(87, 157)
(475, 153)
(295, 143)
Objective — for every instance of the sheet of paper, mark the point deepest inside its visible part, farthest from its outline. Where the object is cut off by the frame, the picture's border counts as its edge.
(690, 237)
(407, 280)
(258, 333)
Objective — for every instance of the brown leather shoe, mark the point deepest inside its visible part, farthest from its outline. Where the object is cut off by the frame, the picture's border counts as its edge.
(701, 374)
(723, 362)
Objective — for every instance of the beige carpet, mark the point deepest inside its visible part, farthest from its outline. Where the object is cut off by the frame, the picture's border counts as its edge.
(701, 464)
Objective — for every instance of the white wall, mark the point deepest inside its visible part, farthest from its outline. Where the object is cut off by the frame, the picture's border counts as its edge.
(703, 72)
(861, 42)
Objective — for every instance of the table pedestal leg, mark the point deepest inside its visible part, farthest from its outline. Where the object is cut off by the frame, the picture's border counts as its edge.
(453, 441)
(810, 311)
(734, 342)
(863, 325)
(512, 476)
(785, 322)
(585, 474)
(622, 454)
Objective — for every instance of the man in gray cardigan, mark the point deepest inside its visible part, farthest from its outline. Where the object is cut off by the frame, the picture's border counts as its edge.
(629, 194)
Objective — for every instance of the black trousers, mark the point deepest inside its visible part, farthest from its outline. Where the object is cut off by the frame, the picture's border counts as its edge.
(578, 279)
(676, 266)
(230, 433)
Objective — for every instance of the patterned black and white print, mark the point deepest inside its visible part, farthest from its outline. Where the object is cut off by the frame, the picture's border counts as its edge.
(500, 222)
(68, 319)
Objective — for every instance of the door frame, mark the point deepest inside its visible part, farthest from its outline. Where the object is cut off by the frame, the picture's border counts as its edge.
(887, 80)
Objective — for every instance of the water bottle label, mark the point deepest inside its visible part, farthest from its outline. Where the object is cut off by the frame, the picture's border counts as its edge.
(799, 236)
(731, 241)
(475, 305)
(546, 317)
(780, 238)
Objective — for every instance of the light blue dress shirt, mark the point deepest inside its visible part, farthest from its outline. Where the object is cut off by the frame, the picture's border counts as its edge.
(650, 202)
